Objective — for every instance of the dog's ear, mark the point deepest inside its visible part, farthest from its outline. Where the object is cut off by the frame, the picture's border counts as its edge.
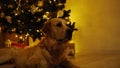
(47, 28)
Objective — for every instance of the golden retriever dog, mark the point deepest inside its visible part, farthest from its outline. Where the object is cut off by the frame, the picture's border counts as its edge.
(51, 52)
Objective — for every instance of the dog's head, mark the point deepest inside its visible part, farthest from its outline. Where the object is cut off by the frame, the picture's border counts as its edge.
(57, 29)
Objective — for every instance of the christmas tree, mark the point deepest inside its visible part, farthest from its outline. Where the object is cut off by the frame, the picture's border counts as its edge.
(28, 16)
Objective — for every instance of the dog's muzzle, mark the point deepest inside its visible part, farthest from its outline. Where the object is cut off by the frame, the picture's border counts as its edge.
(68, 34)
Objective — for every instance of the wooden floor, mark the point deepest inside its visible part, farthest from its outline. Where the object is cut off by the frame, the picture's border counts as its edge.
(94, 61)
(98, 61)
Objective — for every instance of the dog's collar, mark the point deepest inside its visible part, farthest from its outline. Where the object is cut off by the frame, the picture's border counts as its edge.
(46, 45)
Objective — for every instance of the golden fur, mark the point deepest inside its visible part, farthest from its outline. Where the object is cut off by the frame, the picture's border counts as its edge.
(49, 53)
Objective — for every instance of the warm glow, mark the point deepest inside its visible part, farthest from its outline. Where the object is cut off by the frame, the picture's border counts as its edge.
(98, 23)
(75, 17)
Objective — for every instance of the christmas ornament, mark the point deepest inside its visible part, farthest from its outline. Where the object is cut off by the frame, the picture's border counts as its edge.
(29, 16)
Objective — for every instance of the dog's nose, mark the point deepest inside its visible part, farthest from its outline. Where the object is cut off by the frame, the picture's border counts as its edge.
(69, 31)
(69, 34)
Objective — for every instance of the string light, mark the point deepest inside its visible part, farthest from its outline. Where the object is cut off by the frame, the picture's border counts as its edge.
(13, 30)
(46, 15)
(30, 29)
(16, 36)
(38, 30)
(8, 18)
(16, 14)
(0, 7)
(40, 3)
(21, 37)
(50, 2)
(25, 16)
(2, 15)
(27, 34)
(0, 29)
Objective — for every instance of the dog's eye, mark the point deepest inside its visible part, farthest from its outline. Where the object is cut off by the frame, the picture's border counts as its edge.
(59, 24)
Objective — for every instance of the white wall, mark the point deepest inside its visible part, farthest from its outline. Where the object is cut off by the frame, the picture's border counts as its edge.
(98, 22)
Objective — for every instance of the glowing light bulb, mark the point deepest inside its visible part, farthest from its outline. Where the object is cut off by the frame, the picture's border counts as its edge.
(0, 29)
(27, 34)
(16, 36)
(20, 37)
(37, 30)
(16, 14)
